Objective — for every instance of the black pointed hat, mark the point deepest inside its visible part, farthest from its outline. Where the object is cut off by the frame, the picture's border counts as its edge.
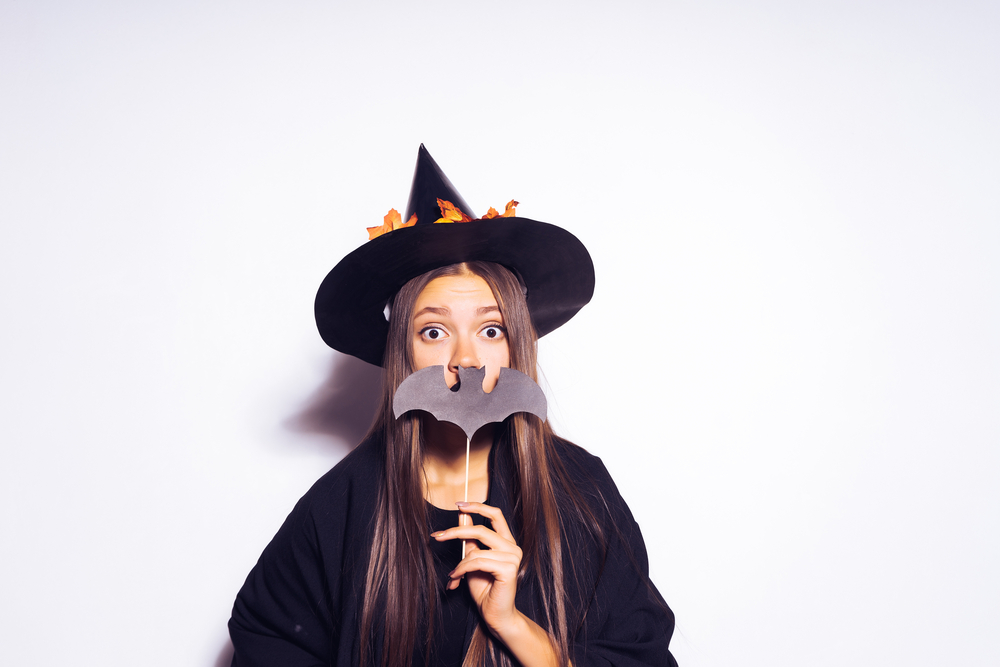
(553, 265)
(429, 185)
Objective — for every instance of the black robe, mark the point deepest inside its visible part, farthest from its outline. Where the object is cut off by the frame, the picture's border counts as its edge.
(301, 604)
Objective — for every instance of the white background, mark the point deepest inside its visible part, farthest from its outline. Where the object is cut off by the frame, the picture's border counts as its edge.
(789, 366)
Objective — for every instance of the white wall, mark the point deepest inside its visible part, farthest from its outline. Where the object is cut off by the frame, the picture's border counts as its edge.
(790, 364)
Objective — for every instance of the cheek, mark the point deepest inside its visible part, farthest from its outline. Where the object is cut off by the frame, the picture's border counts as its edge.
(424, 356)
(496, 357)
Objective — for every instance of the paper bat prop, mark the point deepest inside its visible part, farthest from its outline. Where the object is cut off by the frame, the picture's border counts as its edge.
(468, 406)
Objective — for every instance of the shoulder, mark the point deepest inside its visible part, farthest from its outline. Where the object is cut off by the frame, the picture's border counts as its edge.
(576, 457)
(585, 470)
(348, 492)
(361, 470)
(586, 478)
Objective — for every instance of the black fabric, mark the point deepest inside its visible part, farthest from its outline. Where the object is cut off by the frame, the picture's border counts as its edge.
(301, 604)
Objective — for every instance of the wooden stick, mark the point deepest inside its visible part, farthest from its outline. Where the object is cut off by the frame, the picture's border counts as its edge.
(468, 442)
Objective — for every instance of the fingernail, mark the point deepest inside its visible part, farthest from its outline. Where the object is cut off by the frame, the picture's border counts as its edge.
(462, 503)
(437, 534)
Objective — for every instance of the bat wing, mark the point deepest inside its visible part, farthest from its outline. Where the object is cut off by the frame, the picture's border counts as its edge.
(514, 392)
(470, 407)
(424, 390)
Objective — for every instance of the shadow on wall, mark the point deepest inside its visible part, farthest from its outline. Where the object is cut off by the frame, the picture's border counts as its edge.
(225, 658)
(343, 406)
(341, 409)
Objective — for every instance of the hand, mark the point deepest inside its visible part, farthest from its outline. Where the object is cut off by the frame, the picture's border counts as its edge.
(491, 572)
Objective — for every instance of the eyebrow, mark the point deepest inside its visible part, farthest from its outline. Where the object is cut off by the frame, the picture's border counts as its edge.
(432, 309)
(436, 310)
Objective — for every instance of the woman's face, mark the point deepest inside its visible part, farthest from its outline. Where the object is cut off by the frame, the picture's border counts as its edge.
(456, 323)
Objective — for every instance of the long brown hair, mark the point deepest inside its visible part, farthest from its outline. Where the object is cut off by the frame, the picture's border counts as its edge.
(401, 584)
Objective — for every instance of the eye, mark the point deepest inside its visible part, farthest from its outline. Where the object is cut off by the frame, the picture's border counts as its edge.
(432, 333)
(494, 332)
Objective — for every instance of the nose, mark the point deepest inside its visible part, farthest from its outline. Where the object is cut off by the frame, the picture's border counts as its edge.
(463, 355)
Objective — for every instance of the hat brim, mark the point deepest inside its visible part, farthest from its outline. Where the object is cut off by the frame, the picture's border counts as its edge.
(553, 264)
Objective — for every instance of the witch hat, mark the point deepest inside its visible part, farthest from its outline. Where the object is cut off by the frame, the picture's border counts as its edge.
(553, 266)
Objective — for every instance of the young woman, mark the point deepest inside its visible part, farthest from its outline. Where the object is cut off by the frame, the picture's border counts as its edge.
(368, 567)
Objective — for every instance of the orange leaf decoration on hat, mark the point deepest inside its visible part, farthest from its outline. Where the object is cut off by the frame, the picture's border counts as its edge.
(508, 211)
(391, 222)
(451, 213)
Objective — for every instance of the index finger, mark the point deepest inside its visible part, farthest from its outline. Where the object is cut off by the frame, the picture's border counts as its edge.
(495, 516)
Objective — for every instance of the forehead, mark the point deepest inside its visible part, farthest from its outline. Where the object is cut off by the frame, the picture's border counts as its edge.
(455, 292)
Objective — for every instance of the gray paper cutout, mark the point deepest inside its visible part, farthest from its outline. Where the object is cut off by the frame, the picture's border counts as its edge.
(470, 407)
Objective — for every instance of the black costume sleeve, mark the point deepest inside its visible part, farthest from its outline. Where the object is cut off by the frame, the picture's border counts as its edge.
(627, 623)
(299, 605)
(281, 616)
